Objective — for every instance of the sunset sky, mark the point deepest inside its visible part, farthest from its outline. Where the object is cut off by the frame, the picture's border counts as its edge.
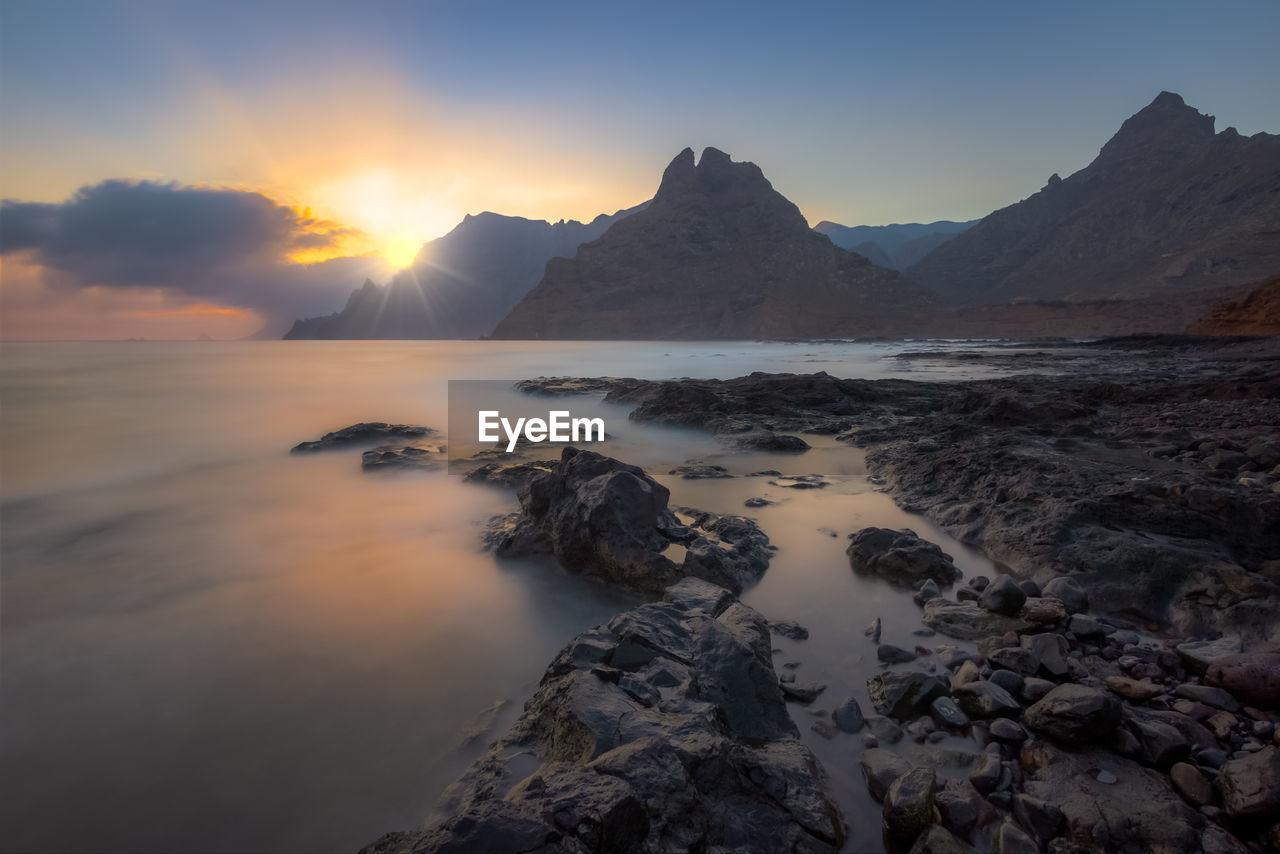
(179, 168)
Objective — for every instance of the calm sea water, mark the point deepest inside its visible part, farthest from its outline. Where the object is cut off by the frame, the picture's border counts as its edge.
(211, 645)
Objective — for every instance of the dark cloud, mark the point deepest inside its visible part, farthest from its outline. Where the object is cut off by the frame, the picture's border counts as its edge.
(218, 244)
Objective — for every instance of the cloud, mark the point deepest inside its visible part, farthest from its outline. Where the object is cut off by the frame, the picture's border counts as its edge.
(224, 246)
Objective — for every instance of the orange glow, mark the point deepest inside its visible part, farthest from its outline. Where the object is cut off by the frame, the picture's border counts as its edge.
(199, 311)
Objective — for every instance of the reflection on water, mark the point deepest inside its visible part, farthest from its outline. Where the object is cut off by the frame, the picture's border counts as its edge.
(209, 644)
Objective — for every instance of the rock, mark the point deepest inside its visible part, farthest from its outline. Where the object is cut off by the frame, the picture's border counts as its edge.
(928, 590)
(1038, 818)
(1109, 803)
(986, 772)
(766, 440)
(1043, 611)
(908, 804)
(947, 713)
(1161, 745)
(1226, 460)
(848, 715)
(1266, 455)
(901, 694)
(1019, 659)
(881, 768)
(1221, 724)
(1069, 592)
(401, 458)
(1253, 677)
(607, 519)
(1191, 784)
(789, 629)
(717, 764)
(1010, 839)
(700, 471)
(1198, 655)
(1138, 690)
(1008, 680)
(509, 475)
(1030, 587)
(365, 433)
(1050, 650)
(939, 840)
(884, 729)
(1250, 785)
(890, 654)
(757, 502)
(962, 808)
(1074, 713)
(873, 630)
(1003, 596)
(968, 620)
(985, 700)
(1085, 627)
(803, 693)
(1033, 689)
(966, 673)
(900, 557)
(1004, 729)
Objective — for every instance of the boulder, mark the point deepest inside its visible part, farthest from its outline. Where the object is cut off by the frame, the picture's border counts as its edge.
(901, 694)
(985, 700)
(900, 557)
(1253, 677)
(1250, 785)
(1208, 695)
(1069, 592)
(939, 840)
(1074, 713)
(968, 620)
(1003, 596)
(1037, 817)
(717, 764)
(1137, 690)
(1191, 784)
(401, 458)
(1198, 655)
(604, 518)
(848, 715)
(881, 768)
(890, 654)
(365, 433)
(908, 804)
(1050, 650)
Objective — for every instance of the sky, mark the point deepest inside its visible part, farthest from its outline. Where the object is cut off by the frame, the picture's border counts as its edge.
(173, 169)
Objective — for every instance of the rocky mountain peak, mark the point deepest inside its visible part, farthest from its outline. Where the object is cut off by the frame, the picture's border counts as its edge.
(1164, 124)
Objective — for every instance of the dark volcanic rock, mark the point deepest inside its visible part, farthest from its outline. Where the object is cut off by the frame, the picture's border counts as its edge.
(717, 254)
(403, 457)
(1003, 596)
(716, 764)
(605, 518)
(1074, 713)
(900, 557)
(364, 433)
(968, 620)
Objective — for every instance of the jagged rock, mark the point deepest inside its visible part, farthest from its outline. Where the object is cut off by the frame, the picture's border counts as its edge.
(968, 620)
(881, 768)
(900, 557)
(1003, 596)
(789, 629)
(365, 433)
(928, 590)
(510, 475)
(605, 518)
(1253, 677)
(1069, 592)
(1074, 713)
(900, 694)
(716, 764)
(401, 458)
(1250, 785)
(908, 804)
(700, 471)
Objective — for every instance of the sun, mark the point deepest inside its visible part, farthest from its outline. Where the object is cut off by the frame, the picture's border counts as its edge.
(399, 252)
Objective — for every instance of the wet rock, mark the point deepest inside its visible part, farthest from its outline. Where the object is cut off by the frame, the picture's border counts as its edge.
(789, 629)
(884, 729)
(1160, 744)
(1038, 818)
(509, 475)
(1086, 627)
(873, 630)
(1198, 655)
(757, 502)
(1004, 729)
(900, 557)
(1008, 680)
(962, 808)
(700, 471)
(1050, 650)
(1250, 785)
(968, 620)
(604, 518)
(365, 433)
(1253, 677)
(928, 590)
(717, 764)
(1033, 689)
(1010, 839)
(939, 840)
(1074, 713)
(985, 700)
(848, 715)
(881, 768)
(986, 772)
(1043, 611)
(401, 458)
(766, 440)
(804, 693)
(908, 804)
(901, 694)
(1137, 690)
(1018, 659)
(890, 654)
(1069, 592)
(947, 713)
(1191, 784)
(1003, 596)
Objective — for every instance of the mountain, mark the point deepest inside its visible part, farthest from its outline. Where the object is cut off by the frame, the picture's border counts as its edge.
(899, 245)
(1256, 312)
(718, 253)
(1168, 210)
(461, 284)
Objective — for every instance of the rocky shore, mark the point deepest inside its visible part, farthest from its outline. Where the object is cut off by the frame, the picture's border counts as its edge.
(1114, 687)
